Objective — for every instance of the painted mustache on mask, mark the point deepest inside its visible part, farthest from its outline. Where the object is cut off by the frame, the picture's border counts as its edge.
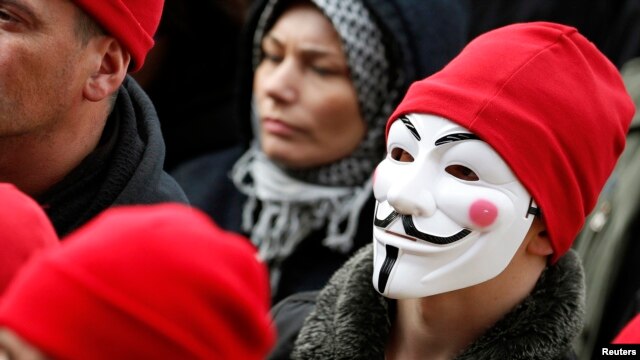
(411, 230)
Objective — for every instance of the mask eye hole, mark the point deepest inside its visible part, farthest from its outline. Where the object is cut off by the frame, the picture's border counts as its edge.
(462, 172)
(401, 155)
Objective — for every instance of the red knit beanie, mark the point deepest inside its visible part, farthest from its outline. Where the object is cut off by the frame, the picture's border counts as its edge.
(630, 334)
(132, 22)
(25, 230)
(144, 282)
(548, 102)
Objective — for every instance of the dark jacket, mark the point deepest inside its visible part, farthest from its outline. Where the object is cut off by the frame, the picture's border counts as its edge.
(125, 168)
(348, 319)
(421, 36)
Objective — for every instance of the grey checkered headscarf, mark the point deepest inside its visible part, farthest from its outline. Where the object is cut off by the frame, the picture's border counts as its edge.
(369, 70)
(284, 221)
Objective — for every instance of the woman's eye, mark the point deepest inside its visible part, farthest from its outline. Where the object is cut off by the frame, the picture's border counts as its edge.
(322, 71)
(401, 155)
(462, 172)
(327, 69)
(271, 57)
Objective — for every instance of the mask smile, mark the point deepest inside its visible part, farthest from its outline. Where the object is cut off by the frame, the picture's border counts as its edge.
(412, 233)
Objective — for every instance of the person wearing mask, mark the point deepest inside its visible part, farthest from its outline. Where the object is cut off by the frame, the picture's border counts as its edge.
(76, 132)
(320, 80)
(492, 166)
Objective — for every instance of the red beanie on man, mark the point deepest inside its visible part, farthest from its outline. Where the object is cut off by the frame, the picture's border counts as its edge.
(551, 104)
(144, 282)
(25, 230)
(132, 22)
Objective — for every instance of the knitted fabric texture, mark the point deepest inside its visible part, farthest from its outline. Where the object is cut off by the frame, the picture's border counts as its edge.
(291, 209)
(132, 22)
(144, 282)
(551, 104)
(26, 231)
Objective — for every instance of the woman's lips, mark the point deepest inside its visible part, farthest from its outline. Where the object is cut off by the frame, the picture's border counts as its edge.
(278, 127)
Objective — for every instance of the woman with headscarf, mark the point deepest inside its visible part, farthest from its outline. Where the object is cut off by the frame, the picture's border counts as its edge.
(320, 80)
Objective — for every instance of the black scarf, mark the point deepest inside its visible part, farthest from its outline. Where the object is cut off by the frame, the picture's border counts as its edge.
(98, 181)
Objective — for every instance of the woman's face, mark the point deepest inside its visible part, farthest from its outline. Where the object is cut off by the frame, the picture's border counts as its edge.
(308, 108)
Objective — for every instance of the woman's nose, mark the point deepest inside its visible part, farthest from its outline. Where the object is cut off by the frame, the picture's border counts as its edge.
(411, 200)
(281, 83)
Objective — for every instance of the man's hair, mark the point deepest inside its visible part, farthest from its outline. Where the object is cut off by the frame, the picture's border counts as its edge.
(86, 27)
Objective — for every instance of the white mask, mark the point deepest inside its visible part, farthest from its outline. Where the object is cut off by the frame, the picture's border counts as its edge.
(439, 227)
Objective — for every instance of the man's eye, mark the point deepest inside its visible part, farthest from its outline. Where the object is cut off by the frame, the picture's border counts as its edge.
(9, 20)
(462, 172)
(401, 155)
(4, 16)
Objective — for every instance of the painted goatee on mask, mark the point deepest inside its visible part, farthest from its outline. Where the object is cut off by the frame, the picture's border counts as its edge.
(450, 213)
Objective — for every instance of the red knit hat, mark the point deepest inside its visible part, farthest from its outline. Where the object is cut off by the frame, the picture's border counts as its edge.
(630, 334)
(25, 228)
(132, 22)
(144, 282)
(548, 102)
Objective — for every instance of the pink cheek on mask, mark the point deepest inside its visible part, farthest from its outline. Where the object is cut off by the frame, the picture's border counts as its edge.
(483, 213)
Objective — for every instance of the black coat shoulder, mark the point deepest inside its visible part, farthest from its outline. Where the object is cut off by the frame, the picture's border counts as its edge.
(207, 184)
(288, 317)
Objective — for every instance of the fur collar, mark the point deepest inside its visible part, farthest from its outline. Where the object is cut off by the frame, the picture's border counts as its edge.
(351, 320)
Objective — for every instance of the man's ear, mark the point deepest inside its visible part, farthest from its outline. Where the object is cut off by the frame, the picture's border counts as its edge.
(539, 244)
(109, 69)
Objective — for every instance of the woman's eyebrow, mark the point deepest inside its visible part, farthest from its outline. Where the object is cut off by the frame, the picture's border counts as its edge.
(272, 38)
(309, 50)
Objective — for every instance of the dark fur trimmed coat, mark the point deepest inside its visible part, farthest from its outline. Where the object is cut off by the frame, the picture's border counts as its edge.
(349, 319)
